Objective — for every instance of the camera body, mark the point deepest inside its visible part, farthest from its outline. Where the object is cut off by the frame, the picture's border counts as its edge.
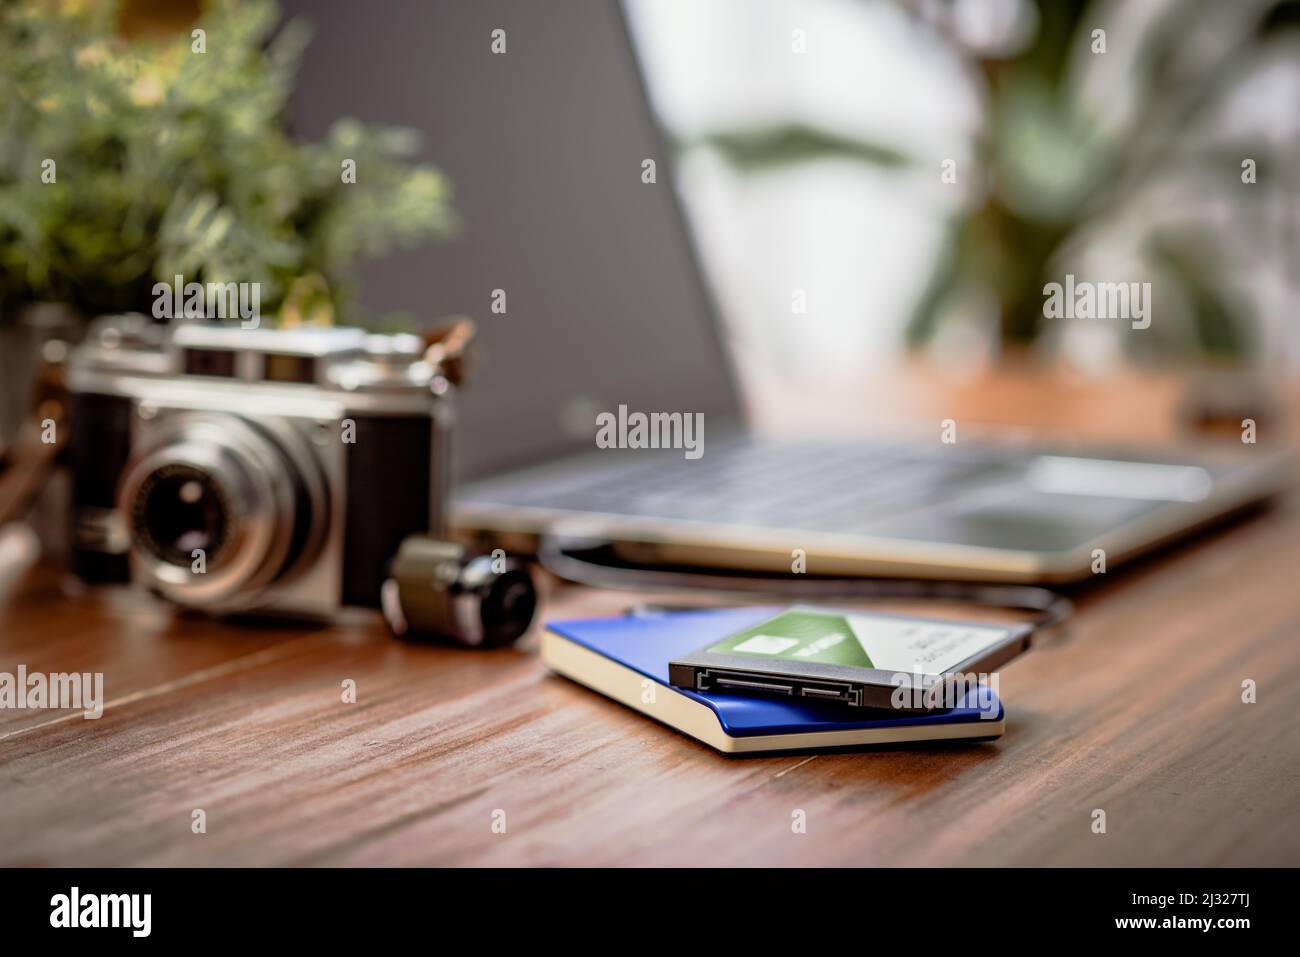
(238, 470)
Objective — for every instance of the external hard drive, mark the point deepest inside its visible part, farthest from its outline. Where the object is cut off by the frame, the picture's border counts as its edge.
(860, 660)
(626, 658)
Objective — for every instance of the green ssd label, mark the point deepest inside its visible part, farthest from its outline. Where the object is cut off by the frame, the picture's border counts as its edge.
(862, 640)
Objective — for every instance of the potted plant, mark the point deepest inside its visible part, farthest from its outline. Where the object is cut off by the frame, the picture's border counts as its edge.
(142, 141)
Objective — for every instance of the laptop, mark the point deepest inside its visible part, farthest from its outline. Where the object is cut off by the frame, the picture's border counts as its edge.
(589, 297)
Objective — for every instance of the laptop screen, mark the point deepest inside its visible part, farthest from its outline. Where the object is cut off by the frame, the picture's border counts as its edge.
(544, 145)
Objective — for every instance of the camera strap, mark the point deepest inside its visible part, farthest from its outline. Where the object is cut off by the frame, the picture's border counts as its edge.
(26, 465)
(448, 348)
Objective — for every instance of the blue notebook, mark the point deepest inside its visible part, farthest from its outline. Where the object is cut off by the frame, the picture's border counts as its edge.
(626, 658)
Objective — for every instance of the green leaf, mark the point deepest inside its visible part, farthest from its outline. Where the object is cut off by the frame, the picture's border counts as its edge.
(759, 150)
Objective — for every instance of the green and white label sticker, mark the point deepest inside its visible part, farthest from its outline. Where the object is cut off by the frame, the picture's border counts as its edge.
(866, 641)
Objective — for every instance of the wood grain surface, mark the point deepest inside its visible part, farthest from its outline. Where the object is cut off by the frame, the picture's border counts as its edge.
(1134, 709)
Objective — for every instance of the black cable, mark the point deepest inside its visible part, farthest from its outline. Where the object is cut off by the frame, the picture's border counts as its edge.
(595, 563)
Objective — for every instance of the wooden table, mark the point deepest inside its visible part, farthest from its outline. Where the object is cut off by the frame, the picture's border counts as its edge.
(1136, 709)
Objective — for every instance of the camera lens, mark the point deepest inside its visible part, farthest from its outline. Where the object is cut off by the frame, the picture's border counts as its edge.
(439, 589)
(508, 607)
(231, 488)
(179, 509)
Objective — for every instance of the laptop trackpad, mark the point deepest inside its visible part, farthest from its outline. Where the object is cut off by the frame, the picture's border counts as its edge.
(1017, 518)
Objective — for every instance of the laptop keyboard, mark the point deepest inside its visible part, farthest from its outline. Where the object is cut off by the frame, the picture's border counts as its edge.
(828, 486)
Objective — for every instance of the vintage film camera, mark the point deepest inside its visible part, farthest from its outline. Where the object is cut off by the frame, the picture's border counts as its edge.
(274, 471)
